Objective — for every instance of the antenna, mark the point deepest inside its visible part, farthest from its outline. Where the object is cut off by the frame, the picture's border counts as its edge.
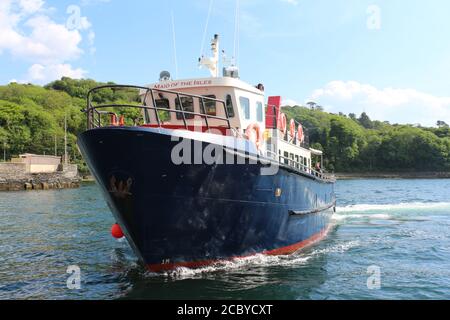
(236, 33)
(206, 27)
(174, 45)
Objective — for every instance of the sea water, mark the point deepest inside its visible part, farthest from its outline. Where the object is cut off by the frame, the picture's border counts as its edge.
(390, 240)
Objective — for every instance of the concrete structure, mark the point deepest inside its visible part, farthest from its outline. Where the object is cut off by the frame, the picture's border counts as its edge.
(38, 163)
(37, 172)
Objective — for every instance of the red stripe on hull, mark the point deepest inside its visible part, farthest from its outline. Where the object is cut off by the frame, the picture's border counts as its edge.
(223, 130)
(280, 251)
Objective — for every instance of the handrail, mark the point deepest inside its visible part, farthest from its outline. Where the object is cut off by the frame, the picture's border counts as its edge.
(303, 168)
(91, 110)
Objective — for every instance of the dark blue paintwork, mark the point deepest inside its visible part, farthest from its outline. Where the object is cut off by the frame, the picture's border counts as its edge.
(178, 213)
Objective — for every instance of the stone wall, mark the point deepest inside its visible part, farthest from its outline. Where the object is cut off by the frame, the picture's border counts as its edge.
(13, 177)
(10, 170)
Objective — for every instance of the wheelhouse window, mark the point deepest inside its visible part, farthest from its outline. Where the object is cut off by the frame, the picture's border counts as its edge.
(259, 111)
(163, 104)
(229, 106)
(210, 105)
(188, 105)
(286, 157)
(245, 106)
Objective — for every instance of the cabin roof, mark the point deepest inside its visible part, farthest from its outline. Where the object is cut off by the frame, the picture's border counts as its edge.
(205, 82)
(316, 152)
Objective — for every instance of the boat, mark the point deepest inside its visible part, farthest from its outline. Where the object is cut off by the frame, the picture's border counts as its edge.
(212, 172)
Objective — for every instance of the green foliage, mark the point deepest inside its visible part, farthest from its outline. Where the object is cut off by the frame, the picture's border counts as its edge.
(32, 117)
(360, 144)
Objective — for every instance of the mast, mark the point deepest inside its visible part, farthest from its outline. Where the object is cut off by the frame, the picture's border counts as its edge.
(212, 63)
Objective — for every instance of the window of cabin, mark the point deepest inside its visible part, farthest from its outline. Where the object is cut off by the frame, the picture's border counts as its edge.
(259, 111)
(188, 105)
(297, 164)
(210, 105)
(286, 157)
(292, 159)
(162, 114)
(229, 106)
(245, 106)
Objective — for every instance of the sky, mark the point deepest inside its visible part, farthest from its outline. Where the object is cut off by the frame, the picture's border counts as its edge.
(389, 58)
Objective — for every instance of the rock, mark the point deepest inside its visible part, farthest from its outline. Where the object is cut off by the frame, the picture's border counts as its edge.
(37, 186)
(28, 186)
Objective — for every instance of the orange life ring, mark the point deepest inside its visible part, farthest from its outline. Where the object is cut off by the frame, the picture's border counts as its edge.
(254, 134)
(300, 134)
(282, 121)
(292, 129)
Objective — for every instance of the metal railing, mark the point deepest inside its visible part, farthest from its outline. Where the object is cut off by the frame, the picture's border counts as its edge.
(323, 175)
(94, 115)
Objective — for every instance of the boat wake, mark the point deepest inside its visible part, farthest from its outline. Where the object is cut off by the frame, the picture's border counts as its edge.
(256, 261)
(386, 211)
(396, 206)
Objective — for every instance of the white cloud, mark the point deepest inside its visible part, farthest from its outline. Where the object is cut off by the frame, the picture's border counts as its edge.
(391, 104)
(28, 33)
(49, 41)
(93, 2)
(46, 73)
(290, 102)
(31, 6)
(293, 2)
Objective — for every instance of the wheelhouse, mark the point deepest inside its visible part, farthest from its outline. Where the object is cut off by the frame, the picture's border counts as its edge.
(218, 98)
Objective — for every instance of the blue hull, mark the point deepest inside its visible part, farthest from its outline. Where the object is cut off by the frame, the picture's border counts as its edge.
(194, 214)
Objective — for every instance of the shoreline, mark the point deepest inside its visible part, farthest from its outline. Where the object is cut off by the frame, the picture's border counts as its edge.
(16, 177)
(391, 175)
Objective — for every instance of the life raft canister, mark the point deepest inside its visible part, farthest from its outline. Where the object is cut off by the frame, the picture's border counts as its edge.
(253, 133)
(282, 122)
(122, 121)
(300, 134)
(114, 119)
(292, 129)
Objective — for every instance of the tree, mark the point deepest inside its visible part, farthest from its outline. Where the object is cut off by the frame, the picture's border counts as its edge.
(312, 105)
(365, 121)
(442, 124)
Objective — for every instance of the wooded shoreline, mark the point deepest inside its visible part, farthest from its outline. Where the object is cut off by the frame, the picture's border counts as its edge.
(392, 175)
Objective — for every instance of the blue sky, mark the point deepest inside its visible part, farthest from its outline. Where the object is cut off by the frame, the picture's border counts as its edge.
(390, 58)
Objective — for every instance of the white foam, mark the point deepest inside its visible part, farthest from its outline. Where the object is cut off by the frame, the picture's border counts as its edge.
(338, 248)
(258, 260)
(380, 216)
(396, 206)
